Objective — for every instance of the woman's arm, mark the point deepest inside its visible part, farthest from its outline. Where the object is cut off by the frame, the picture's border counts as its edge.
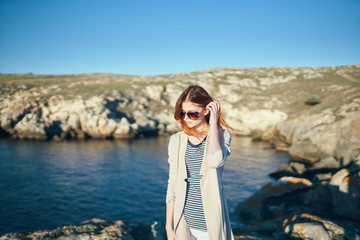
(217, 159)
(172, 160)
(214, 143)
(170, 193)
(219, 143)
(170, 220)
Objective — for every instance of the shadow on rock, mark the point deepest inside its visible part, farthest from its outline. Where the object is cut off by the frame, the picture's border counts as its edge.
(115, 113)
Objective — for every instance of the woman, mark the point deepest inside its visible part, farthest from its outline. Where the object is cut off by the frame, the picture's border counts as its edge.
(195, 200)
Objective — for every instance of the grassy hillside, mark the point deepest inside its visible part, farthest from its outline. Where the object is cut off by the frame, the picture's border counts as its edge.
(285, 89)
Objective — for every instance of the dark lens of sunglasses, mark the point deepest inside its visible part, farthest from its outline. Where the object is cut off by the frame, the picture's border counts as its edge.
(193, 115)
(182, 115)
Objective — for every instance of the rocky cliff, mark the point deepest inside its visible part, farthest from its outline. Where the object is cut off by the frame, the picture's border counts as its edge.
(118, 106)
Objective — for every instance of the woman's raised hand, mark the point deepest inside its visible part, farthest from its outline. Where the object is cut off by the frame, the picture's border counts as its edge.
(214, 108)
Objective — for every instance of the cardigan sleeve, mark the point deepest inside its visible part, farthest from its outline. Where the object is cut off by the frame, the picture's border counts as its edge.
(172, 160)
(217, 159)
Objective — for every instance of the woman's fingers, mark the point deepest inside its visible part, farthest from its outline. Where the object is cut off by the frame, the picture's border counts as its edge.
(213, 106)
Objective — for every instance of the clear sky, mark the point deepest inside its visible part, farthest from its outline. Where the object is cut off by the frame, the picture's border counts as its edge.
(150, 37)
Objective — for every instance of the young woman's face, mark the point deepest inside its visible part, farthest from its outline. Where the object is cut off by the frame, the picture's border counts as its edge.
(194, 108)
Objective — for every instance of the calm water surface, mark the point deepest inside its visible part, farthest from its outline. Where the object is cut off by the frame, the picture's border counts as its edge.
(44, 185)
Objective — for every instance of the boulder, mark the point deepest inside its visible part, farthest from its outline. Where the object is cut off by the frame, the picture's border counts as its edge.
(345, 191)
(261, 119)
(298, 167)
(97, 126)
(154, 91)
(147, 126)
(172, 92)
(5, 125)
(318, 200)
(305, 152)
(348, 144)
(285, 185)
(307, 226)
(74, 121)
(124, 129)
(308, 230)
(338, 177)
(329, 163)
(312, 126)
(279, 144)
(58, 116)
(312, 137)
(268, 134)
(354, 168)
(30, 127)
(273, 200)
(283, 171)
(322, 177)
(287, 129)
(256, 134)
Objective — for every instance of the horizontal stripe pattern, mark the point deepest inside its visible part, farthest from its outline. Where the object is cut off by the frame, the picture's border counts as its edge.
(193, 209)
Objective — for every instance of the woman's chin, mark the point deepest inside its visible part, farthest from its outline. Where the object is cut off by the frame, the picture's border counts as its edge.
(191, 126)
(188, 123)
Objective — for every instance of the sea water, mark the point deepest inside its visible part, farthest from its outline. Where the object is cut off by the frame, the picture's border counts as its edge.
(48, 184)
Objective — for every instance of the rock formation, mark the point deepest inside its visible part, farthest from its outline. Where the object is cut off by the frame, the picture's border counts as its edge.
(122, 106)
(317, 195)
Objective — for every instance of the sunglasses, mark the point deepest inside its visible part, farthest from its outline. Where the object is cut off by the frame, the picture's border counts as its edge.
(191, 115)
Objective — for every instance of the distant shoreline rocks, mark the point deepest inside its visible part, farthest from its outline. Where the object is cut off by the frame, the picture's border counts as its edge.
(56, 107)
(58, 118)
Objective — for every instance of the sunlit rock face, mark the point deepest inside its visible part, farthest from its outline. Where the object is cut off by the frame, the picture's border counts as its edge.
(302, 103)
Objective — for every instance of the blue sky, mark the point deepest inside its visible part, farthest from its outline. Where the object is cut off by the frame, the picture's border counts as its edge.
(160, 37)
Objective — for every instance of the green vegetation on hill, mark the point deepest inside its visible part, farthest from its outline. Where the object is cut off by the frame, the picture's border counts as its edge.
(288, 89)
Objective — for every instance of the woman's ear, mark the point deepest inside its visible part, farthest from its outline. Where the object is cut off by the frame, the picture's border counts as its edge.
(206, 111)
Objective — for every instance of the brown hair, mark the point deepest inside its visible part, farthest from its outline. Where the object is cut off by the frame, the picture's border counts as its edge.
(198, 95)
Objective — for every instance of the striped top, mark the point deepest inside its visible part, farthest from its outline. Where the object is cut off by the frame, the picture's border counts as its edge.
(193, 209)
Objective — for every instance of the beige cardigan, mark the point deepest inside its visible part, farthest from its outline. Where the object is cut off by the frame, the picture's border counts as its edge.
(212, 190)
